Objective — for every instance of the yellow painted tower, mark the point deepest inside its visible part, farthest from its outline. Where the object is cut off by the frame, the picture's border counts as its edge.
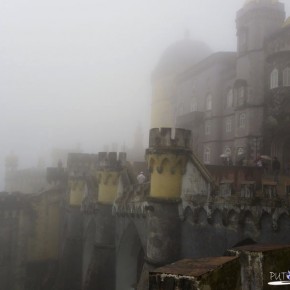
(109, 168)
(81, 171)
(175, 59)
(167, 156)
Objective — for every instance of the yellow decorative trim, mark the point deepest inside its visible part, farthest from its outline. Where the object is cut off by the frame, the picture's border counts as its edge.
(77, 192)
(108, 186)
(166, 174)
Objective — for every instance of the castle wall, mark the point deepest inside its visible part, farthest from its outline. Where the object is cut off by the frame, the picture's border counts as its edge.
(44, 240)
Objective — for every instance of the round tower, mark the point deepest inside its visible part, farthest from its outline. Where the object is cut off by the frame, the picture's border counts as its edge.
(108, 174)
(11, 162)
(257, 20)
(166, 158)
(175, 59)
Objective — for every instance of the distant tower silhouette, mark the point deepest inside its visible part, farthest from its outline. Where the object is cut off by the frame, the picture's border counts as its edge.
(11, 166)
(11, 162)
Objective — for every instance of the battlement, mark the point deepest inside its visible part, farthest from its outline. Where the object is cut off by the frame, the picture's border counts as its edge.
(111, 160)
(81, 163)
(173, 138)
(55, 174)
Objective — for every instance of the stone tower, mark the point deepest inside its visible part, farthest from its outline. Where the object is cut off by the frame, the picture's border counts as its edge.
(255, 22)
(166, 158)
(168, 153)
(175, 59)
(100, 260)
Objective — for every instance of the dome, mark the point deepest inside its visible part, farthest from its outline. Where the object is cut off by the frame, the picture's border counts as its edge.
(260, 1)
(181, 55)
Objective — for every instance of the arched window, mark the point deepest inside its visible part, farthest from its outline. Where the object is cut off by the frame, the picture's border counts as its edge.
(208, 105)
(193, 105)
(228, 125)
(241, 96)
(206, 155)
(240, 151)
(286, 77)
(242, 120)
(274, 79)
(230, 98)
(228, 151)
(207, 127)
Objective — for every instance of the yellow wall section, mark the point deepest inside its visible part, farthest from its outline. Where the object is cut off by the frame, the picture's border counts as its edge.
(108, 186)
(43, 243)
(167, 182)
(165, 185)
(77, 191)
(162, 114)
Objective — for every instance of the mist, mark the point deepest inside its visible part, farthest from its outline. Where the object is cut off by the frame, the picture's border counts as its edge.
(78, 72)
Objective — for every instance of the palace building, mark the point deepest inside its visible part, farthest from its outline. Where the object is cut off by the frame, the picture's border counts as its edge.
(235, 103)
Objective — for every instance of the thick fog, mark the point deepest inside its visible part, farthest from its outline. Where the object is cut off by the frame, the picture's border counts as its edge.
(78, 72)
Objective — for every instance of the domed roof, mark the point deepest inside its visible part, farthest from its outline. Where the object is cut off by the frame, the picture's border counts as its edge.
(260, 1)
(181, 55)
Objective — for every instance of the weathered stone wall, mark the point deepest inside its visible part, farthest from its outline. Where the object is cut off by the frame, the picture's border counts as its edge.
(70, 272)
(99, 254)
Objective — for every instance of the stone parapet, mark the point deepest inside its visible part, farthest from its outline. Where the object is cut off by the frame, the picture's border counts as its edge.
(111, 160)
(108, 173)
(80, 164)
(170, 138)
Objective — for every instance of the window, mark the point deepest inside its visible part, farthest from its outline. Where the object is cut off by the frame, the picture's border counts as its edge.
(208, 105)
(193, 105)
(242, 120)
(228, 151)
(206, 155)
(241, 96)
(228, 125)
(207, 127)
(240, 151)
(286, 77)
(274, 79)
(230, 98)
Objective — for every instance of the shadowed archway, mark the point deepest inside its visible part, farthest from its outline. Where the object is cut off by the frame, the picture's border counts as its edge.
(88, 248)
(130, 260)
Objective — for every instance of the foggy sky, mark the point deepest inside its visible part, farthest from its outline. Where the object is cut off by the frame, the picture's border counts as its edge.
(77, 71)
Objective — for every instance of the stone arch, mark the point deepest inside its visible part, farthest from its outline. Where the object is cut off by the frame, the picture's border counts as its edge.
(88, 248)
(217, 217)
(232, 218)
(130, 259)
(249, 224)
(265, 222)
(188, 215)
(283, 223)
(200, 216)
